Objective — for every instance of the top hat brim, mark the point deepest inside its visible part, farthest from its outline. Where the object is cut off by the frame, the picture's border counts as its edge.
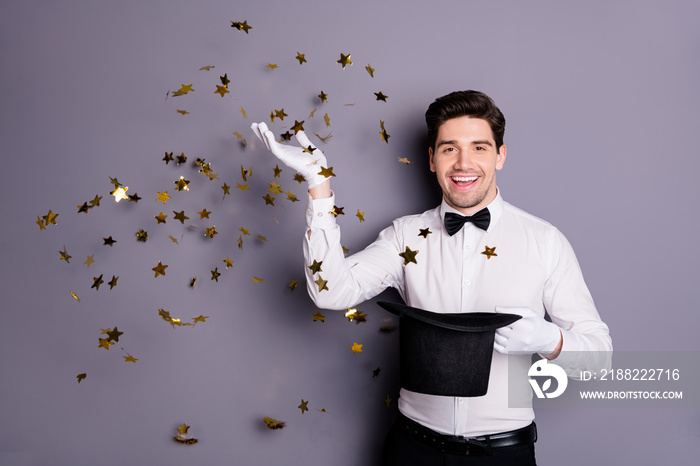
(464, 322)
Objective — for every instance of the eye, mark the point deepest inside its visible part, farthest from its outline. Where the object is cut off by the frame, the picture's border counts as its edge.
(479, 148)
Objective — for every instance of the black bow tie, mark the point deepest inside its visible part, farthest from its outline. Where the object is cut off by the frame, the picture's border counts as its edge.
(455, 222)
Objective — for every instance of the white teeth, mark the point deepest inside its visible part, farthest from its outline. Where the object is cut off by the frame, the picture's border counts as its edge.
(464, 178)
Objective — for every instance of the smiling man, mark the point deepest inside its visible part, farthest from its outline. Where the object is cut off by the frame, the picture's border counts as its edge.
(473, 253)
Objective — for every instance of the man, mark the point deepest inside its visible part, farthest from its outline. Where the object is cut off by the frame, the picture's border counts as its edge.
(475, 252)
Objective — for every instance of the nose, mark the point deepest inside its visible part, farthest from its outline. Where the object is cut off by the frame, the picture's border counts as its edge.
(463, 161)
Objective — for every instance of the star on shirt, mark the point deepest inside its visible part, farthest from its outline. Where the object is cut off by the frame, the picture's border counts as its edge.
(489, 252)
(408, 256)
(424, 232)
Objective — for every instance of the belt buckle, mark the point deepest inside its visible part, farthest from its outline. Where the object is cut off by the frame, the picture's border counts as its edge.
(475, 447)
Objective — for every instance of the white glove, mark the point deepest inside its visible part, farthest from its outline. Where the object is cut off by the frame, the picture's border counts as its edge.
(531, 334)
(306, 160)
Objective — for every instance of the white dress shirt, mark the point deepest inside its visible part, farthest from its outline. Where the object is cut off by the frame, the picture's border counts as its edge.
(533, 266)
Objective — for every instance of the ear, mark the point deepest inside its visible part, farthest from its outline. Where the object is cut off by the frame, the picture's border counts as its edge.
(501, 157)
(432, 162)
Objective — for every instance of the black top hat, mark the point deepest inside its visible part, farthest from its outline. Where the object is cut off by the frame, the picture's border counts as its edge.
(446, 354)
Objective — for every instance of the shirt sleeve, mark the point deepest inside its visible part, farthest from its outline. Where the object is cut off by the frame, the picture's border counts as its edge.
(343, 282)
(586, 339)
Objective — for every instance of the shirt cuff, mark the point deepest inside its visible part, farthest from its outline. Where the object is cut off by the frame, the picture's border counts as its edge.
(318, 212)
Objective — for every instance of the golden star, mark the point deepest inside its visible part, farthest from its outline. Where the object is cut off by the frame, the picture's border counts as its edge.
(241, 26)
(327, 120)
(309, 150)
(404, 160)
(201, 318)
(64, 255)
(105, 343)
(299, 178)
(96, 282)
(211, 232)
(356, 348)
(242, 110)
(182, 158)
(408, 256)
(323, 96)
(424, 232)
(180, 216)
(215, 274)
(327, 172)
(159, 269)
(228, 262)
(108, 241)
(224, 80)
(90, 259)
(274, 188)
(387, 401)
(130, 358)
(370, 70)
(323, 139)
(381, 96)
(303, 406)
(182, 112)
(298, 126)
(383, 133)
(344, 60)
(258, 280)
(293, 285)
(360, 215)
(242, 187)
(161, 217)
(311, 115)
(489, 252)
(112, 283)
(39, 221)
(114, 334)
(168, 157)
(321, 284)
(301, 57)
(269, 200)
(319, 317)
(315, 267)
(272, 66)
(206, 68)
(120, 193)
(244, 231)
(81, 377)
(163, 197)
(277, 171)
(203, 213)
(226, 188)
(337, 211)
(83, 208)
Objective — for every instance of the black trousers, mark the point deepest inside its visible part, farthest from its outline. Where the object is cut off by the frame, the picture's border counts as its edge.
(402, 450)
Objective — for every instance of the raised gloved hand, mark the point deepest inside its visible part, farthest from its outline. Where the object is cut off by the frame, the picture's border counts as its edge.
(306, 160)
(531, 334)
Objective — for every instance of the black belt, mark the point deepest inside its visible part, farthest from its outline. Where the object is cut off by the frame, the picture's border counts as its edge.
(467, 445)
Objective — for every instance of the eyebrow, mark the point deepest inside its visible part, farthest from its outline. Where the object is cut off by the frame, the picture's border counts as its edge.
(484, 142)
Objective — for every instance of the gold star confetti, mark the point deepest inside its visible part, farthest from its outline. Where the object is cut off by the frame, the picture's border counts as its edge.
(291, 197)
(64, 255)
(424, 232)
(489, 252)
(75, 296)
(356, 348)
(215, 274)
(182, 158)
(241, 26)
(404, 160)
(161, 217)
(293, 285)
(370, 70)
(224, 80)
(298, 126)
(83, 208)
(272, 66)
(408, 256)
(273, 423)
(134, 197)
(244, 231)
(344, 60)
(357, 316)
(105, 343)
(337, 211)
(258, 280)
(319, 317)
(345, 250)
(323, 139)
(184, 89)
(182, 430)
(182, 112)
(274, 188)
(168, 157)
(206, 68)
(193, 282)
(387, 401)
(227, 189)
(301, 57)
(180, 216)
(119, 193)
(159, 269)
(242, 110)
(240, 242)
(142, 235)
(113, 334)
(211, 232)
(303, 406)
(327, 120)
(40, 222)
(163, 197)
(182, 184)
(321, 284)
(113, 282)
(174, 240)
(380, 96)
(269, 200)
(309, 150)
(384, 134)
(96, 282)
(108, 241)
(360, 215)
(324, 97)
(204, 213)
(221, 90)
(299, 178)
(327, 172)
(375, 373)
(238, 135)
(201, 318)
(228, 262)
(242, 187)
(130, 358)
(81, 377)
(315, 267)
(286, 136)
(311, 115)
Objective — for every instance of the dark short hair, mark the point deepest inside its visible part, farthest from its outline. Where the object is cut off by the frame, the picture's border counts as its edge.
(473, 104)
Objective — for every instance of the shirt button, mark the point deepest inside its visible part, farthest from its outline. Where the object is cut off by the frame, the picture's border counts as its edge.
(320, 214)
(460, 401)
(468, 246)
(467, 282)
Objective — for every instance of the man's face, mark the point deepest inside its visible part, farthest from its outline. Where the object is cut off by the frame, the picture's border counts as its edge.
(465, 160)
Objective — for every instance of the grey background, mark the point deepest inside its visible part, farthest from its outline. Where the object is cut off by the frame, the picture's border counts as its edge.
(601, 101)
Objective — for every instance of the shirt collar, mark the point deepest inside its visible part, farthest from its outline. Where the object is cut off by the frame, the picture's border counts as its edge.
(495, 209)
